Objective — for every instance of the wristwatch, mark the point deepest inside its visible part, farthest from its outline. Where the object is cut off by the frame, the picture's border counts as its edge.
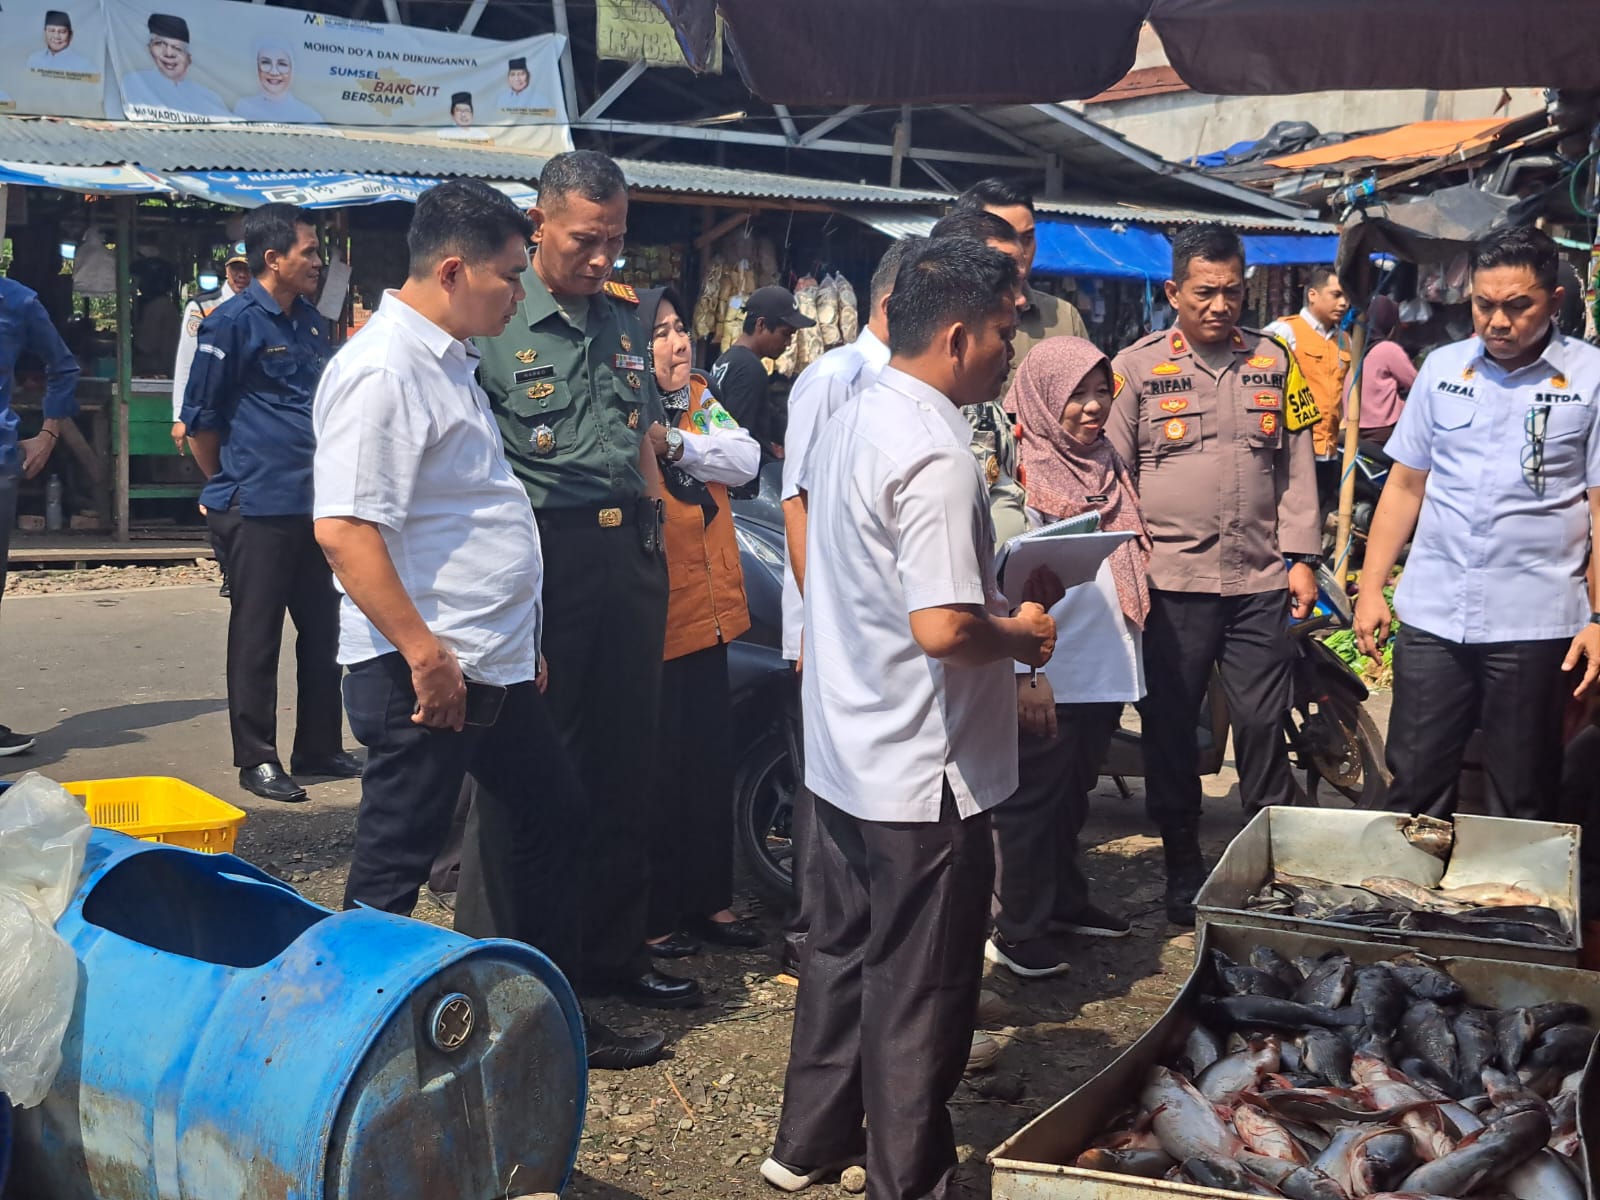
(1594, 618)
(674, 445)
(1309, 560)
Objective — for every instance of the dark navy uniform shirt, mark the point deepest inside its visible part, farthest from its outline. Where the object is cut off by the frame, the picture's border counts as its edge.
(26, 327)
(255, 373)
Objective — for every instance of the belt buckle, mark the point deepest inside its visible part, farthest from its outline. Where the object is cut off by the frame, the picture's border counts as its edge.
(610, 518)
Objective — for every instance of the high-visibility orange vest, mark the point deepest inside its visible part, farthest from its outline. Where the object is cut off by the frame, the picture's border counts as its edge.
(1325, 363)
(707, 602)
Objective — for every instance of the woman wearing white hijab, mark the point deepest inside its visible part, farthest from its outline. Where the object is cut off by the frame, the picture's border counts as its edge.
(274, 104)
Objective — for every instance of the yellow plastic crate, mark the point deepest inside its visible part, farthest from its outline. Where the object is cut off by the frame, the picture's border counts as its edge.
(154, 808)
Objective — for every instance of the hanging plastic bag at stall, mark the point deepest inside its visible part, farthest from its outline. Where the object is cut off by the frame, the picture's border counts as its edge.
(849, 315)
(94, 266)
(43, 833)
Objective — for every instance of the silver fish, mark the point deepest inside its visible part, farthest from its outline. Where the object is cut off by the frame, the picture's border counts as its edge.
(1264, 1135)
(1380, 1159)
(1490, 1152)
(1148, 1164)
(1239, 1072)
(1542, 1177)
(1185, 1121)
(1215, 1171)
(1201, 1048)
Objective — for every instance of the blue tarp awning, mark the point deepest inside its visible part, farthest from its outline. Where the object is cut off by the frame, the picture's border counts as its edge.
(1068, 248)
(1290, 250)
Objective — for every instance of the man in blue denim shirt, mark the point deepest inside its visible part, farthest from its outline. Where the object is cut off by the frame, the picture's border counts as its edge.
(25, 327)
(247, 408)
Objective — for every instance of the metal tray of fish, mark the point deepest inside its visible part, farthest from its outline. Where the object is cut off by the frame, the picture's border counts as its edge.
(1034, 1163)
(1336, 847)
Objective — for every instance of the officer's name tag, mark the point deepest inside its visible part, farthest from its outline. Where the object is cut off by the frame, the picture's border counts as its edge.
(1560, 398)
(628, 362)
(531, 373)
(1448, 388)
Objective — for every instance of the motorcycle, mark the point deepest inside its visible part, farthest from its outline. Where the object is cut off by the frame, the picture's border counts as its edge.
(1372, 465)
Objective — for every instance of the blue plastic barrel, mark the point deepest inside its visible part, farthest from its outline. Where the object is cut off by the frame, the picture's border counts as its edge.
(232, 1039)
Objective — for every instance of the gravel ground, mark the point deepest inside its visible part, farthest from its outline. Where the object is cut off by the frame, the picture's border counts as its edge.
(30, 581)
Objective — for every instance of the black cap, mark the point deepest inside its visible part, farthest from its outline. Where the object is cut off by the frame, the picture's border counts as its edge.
(168, 26)
(461, 98)
(518, 64)
(56, 17)
(776, 305)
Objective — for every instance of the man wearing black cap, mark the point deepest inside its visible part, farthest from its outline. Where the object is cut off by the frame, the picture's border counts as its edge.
(462, 128)
(519, 99)
(166, 93)
(739, 378)
(58, 57)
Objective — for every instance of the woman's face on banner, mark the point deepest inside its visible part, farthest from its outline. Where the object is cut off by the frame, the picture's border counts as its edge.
(275, 71)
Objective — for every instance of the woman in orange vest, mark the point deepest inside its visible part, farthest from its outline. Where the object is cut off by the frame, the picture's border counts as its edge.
(691, 834)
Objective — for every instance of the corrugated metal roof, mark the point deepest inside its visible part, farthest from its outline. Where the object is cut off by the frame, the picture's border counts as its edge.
(898, 224)
(198, 148)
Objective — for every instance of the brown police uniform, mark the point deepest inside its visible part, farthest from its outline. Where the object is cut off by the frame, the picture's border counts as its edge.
(1226, 479)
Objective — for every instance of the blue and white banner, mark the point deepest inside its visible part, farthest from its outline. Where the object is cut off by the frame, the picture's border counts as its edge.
(108, 181)
(249, 189)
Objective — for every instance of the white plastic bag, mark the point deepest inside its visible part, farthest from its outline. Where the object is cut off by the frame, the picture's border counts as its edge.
(43, 834)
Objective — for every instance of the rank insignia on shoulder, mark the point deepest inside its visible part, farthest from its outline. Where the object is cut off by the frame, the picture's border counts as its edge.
(1556, 381)
(543, 440)
(1174, 404)
(1117, 384)
(1269, 423)
(627, 342)
(1262, 361)
(633, 418)
(526, 356)
(1166, 368)
(1177, 343)
(621, 291)
(541, 390)
(634, 381)
(1468, 373)
(1175, 430)
(1238, 340)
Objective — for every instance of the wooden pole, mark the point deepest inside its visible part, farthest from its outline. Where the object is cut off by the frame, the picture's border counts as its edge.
(124, 389)
(1352, 442)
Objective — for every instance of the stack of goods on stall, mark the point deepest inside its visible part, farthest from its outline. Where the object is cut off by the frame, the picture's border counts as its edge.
(736, 266)
(831, 303)
(651, 266)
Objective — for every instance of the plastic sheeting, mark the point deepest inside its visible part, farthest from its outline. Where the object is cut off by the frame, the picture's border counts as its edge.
(1066, 248)
(1267, 251)
(107, 181)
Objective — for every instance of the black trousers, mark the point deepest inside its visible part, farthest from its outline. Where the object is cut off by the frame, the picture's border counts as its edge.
(275, 567)
(1514, 691)
(1038, 876)
(691, 821)
(1247, 639)
(883, 1022)
(519, 856)
(605, 623)
(804, 857)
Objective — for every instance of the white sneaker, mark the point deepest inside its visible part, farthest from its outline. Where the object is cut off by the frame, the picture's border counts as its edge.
(790, 1179)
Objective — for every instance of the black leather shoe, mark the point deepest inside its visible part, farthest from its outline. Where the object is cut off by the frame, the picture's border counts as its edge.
(789, 953)
(342, 765)
(675, 945)
(741, 934)
(225, 591)
(271, 783)
(610, 1051)
(656, 990)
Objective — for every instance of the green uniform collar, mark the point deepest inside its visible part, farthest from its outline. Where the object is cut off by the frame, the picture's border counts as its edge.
(540, 303)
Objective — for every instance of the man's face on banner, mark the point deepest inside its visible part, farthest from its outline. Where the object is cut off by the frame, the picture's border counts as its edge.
(461, 114)
(170, 56)
(57, 38)
(518, 80)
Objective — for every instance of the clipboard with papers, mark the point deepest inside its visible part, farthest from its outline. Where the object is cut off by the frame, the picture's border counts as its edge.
(1073, 549)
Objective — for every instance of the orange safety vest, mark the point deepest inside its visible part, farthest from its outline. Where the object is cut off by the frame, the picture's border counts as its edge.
(1325, 363)
(707, 602)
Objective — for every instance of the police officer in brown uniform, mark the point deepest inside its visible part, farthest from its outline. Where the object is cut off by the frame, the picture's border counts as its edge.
(1221, 454)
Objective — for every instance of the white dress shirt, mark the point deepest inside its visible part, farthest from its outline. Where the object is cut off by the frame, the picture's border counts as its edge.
(898, 522)
(1495, 559)
(193, 313)
(277, 110)
(156, 94)
(822, 389)
(1100, 657)
(64, 62)
(405, 439)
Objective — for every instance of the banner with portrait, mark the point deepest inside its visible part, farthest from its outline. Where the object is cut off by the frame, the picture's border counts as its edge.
(214, 61)
(53, 57)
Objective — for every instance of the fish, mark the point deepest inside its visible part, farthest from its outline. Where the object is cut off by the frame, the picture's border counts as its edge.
(1564, 1046)
(1380, 1159)
(1426, 1031)
(1186, 1122)
(1380, 996)
(1388, 1089)
(1308, 1183)
(1430, 835)
(1264, 958)
(1213, 1171)
(1265, 1135)
(1498, 929)
(1414, 895)
(1247, 981)
(1514, 1033)
(1475, 1048)
(1556, 1012)
(1321, 1106)
(1148, 1164)
(1461, 1118)
(1328, 1055)
(1424, 980)
(1490, 1152)
(1543, 1177)
(1426, 1079)
(1495, 895)
(1201, 1048)
(1329, 984)
(1239, 1072)
(1532, 914)
(1257, 1012)
(1505, 1089)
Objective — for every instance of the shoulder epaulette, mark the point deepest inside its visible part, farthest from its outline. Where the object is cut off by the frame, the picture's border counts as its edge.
(621, 291)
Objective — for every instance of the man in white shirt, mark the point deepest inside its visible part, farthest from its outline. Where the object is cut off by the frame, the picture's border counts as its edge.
(58, 57)
(236, 278)
(166, 93)
(822, 389)
(1497, 472)
(434, 545)
(911, 725)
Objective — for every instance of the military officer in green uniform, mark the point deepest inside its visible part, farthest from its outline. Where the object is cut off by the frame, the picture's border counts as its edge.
(575, 397)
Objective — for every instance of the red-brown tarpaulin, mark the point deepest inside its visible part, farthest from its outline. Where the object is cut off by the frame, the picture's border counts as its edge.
(820, 52)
